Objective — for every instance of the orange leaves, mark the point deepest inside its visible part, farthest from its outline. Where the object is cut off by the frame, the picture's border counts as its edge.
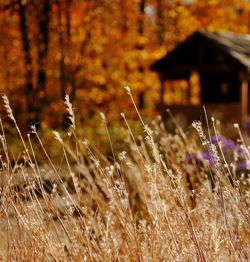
(96, 47)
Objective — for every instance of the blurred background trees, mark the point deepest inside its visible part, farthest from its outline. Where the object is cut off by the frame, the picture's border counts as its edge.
(92, 48)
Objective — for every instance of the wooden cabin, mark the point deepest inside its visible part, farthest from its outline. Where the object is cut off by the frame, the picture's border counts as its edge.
(220, 62)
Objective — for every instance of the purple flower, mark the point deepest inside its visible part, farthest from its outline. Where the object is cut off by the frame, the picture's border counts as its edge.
(242, 165)
(207, 156)
(193, 159)
(239, 149)
(225, 142)
(228, 147)
(229, 144)
(215, 139)
(197, 159)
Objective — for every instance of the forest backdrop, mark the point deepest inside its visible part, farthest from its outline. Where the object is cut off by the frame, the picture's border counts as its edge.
(91, 49)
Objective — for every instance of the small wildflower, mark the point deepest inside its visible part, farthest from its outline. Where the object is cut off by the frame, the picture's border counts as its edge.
(58, 136)
(54, 188)
(102, 115)
(122, 155)
(85, 142)
(127, 89)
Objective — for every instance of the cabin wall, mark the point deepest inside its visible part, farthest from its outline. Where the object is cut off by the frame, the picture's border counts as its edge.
(220, 87)
(225, 112)
(248, 98)
(245, 98)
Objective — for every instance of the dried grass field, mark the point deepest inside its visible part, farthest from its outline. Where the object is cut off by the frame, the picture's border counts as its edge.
(164, 197)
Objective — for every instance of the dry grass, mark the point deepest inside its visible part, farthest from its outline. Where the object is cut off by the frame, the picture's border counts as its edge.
(148, 203)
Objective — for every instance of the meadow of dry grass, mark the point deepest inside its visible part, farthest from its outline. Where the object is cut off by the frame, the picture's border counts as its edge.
(161, 199)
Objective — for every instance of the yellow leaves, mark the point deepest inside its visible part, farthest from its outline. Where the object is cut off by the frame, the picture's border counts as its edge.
(142, 40)
(172, 13)
(101, 48)
(99, 79)
(97, 95)
(160, 52)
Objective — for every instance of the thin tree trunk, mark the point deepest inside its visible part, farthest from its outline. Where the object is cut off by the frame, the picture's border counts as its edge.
(65, 120)
(160, 22)
(29, 88)
(42, 54)
(142, 4)
(68, 18)
(62, 53)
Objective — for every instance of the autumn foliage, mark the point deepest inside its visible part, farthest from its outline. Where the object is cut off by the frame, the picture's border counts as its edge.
(90, 49)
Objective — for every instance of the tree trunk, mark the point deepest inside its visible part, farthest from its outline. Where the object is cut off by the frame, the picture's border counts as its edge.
(43, 43)
(142, 4)
(62, 53)
(29, 88)
(160, 22)
(65, 120)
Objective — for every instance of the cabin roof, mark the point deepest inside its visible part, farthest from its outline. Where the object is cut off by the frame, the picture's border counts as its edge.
(234, 45)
